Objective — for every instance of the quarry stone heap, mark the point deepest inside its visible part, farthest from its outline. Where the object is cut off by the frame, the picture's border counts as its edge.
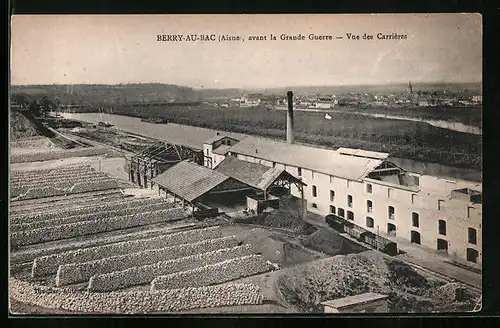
(136, 302)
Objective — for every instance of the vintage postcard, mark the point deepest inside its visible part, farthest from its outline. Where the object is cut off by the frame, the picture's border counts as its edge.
(245, 164)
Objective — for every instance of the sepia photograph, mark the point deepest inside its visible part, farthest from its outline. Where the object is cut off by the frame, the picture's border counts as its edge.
(256, 164)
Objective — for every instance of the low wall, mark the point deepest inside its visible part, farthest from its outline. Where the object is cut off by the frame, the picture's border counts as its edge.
(78, 272)
(50, 263)
(145, 274)
(139, 302)
(214, 274)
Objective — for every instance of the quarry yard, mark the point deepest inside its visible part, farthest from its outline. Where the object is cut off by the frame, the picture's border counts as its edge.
(84, 239)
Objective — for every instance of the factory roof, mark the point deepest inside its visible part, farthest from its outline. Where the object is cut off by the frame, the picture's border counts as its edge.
(352, 300)
(219, 136)
(255, 175)
(320, 160)
(362, 153)
(222, 150)
(189, 180)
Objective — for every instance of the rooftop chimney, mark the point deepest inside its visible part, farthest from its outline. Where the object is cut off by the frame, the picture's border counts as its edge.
(289, 118)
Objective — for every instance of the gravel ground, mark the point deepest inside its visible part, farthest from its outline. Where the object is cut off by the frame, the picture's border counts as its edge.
(306, 286)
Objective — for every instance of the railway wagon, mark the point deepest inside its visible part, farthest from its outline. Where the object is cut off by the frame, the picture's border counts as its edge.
(335, 222)
(380, 243)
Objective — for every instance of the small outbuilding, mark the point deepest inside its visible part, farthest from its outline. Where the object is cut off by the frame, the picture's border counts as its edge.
(362, 303)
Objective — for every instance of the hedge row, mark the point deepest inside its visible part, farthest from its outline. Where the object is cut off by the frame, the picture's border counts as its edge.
(28, 255)
(78, 272)
(93, 216)
(58, 154)
(84, 209)
(213, 274)
(78, 229)
(79, 187)
(137, 302)
(49, 264)
(145, 274)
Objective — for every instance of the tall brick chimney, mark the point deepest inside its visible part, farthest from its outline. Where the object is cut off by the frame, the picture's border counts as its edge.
(289, 118)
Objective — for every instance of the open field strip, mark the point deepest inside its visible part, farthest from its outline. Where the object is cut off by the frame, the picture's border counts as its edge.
(31, 252)
(52, 200)
(121, 203)
(79, 272)
(76, 229)
(214, 274)
(139, 275)
(89, 217)
(49, 264)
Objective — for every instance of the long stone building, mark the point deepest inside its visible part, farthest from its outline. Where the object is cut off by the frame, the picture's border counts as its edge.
(364, 187)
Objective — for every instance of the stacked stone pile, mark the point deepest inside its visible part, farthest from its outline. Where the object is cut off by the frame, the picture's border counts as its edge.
(91, 227)
(160, 301)
(30, 254)
(63, 183)
(79, 272)
(84, 209)
(78, 187)
(154, 206)
(49, 264)
(57, 154)
(214, 273)
(139, 275)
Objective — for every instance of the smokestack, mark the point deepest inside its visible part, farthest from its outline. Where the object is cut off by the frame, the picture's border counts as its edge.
(289, 118)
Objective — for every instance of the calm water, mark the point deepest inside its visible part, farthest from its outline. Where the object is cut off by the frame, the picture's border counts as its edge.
(195, 136)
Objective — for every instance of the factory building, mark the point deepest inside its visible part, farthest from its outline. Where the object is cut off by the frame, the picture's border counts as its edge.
(366, 188)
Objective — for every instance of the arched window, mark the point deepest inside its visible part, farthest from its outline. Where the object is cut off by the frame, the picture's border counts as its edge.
(315, 191)
(369, 222)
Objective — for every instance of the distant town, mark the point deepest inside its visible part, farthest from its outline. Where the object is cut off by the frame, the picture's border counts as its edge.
(409, 98)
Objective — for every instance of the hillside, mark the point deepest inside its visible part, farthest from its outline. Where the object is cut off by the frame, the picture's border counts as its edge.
(98, 94)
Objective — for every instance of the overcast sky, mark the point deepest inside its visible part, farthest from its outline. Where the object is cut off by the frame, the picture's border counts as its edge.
(117, 49)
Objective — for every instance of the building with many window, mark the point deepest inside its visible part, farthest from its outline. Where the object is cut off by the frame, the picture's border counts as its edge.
(367, 189)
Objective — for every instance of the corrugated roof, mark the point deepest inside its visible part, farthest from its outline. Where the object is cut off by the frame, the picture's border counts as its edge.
(253, 174)
(362, 153)
(221, 150)
(317, 159)
(189, 180)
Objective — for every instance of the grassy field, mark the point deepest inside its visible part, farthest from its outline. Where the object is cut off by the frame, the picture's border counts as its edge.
(413, 140)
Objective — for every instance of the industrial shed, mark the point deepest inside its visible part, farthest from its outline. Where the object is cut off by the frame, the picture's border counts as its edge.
(199, 187)
(264, 178)
(155, 159)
